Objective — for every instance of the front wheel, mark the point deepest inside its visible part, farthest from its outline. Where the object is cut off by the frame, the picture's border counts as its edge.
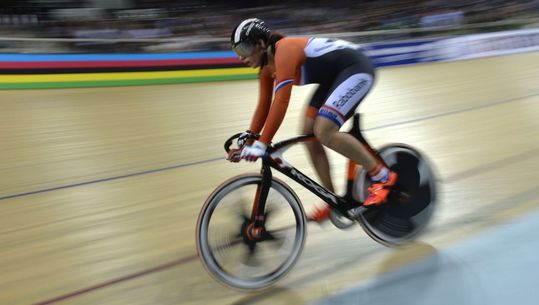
(409, 206)
(225, 243)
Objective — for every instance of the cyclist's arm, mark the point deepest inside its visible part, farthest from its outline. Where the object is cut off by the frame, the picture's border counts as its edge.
(264, 101)
(288, 59)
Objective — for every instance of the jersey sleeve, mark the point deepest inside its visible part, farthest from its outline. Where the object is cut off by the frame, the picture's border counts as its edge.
(288, 59)
(265, 94)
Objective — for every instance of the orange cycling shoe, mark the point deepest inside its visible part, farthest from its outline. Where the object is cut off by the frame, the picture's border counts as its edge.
(320, 214)
(379, 190)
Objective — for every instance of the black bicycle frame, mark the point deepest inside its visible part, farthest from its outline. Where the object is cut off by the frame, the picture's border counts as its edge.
(340, 203)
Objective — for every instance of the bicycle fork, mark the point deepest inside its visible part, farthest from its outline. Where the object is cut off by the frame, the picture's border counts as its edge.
(255, 229)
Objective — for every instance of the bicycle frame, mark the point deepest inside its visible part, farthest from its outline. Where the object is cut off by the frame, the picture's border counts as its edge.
(408, 210)
(273, 159)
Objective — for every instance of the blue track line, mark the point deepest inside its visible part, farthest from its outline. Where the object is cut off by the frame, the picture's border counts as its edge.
(110, 178)
(424, 118)
(114, 57)
(463, 110)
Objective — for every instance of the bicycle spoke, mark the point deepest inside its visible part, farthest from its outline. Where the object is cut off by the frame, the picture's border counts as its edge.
(267, 236)
(249, 255)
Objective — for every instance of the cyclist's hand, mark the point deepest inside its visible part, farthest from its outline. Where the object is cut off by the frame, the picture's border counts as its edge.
(234, 155)
(245, 138)
(253, 152)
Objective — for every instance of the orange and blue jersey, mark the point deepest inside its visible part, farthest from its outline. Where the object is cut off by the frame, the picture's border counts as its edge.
(305, 60)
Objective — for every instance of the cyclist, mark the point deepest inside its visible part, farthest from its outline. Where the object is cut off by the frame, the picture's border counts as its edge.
(345, 75)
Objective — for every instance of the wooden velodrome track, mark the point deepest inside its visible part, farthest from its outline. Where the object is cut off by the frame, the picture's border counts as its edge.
(101, 188)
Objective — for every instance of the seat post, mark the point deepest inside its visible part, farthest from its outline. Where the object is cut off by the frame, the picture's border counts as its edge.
(356, 129)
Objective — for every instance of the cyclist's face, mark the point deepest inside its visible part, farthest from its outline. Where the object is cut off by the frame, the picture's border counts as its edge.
(250, 55)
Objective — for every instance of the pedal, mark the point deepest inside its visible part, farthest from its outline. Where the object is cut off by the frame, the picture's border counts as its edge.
(356, 213)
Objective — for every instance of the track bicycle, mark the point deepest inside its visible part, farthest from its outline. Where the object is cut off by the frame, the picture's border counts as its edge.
(252, 228)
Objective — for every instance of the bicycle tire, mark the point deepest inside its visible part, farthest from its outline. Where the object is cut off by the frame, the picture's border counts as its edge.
(211, 254)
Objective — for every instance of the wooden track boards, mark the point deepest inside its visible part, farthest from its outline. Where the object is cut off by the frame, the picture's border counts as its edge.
(101, 187)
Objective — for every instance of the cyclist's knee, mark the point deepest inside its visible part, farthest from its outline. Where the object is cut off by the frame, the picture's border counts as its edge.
(308, 126)
(324, 130)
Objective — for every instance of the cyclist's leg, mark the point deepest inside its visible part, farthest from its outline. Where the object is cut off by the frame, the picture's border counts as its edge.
(350, 87)
(348, 90)
(328, 134)
(317, 152)
(318, 156)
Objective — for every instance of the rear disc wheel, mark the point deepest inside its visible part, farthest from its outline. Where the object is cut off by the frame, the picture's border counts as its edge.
(410, 204)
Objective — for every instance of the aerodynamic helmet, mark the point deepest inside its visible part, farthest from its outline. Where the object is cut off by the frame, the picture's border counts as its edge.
(246, 35)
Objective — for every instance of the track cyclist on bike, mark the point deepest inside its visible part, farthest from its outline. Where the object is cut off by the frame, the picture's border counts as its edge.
(345, 75)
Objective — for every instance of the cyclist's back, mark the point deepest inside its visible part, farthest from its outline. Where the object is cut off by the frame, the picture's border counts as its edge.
(320, 60)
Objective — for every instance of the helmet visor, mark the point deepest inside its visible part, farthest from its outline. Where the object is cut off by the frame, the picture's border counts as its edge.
(243, 49)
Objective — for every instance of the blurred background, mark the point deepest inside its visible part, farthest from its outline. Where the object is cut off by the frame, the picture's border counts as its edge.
(101, 184)
(157, 25)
